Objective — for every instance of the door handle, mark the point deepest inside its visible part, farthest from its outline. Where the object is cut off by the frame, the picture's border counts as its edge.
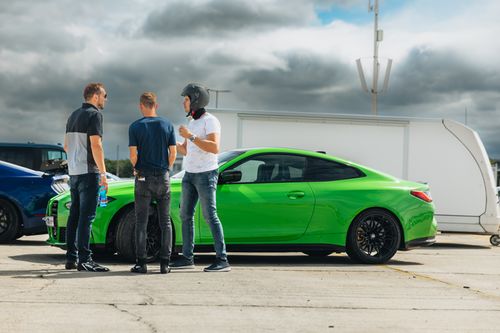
(295, 195)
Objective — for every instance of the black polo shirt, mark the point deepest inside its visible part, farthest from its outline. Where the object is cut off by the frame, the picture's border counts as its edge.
(82, 124)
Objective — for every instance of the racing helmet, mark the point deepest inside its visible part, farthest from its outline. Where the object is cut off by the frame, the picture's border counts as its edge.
(198, 95)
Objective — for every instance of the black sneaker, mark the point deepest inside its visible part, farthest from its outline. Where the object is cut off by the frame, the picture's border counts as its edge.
(220, 265)
(70, 265)
(164, 266)
(140, 267)
(182, 263)
(91, 266)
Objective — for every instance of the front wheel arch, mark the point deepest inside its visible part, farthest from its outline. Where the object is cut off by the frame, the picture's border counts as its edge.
(14, 229)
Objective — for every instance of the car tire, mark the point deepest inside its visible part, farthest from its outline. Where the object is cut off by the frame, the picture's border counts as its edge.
(373, 237)
(9, 222)
(318, 253)
(125, 236)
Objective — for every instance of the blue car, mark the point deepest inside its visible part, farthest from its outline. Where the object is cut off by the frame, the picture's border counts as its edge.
(24, 194)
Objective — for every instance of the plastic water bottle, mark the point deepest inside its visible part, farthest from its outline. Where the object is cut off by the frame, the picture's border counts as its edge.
(103, 199)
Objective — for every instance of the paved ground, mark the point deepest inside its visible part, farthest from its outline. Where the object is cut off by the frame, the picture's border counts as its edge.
(450, 287)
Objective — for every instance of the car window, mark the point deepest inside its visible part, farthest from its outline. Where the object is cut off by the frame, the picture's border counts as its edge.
(222, 158)
(271, 168)
(53, 155)
(228, 155)
(19, 156)
(324, 170)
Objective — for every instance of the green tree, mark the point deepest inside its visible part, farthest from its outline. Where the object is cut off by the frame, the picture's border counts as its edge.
(124, 166)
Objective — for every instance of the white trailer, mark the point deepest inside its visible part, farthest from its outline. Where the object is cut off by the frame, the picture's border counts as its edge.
(447, 155)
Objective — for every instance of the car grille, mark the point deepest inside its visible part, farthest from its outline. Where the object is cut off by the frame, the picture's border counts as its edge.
(53, 212)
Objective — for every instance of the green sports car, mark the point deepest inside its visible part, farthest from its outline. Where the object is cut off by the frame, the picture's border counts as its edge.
(279, 200)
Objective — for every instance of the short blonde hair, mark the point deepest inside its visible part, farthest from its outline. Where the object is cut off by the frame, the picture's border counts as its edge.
(148, 99)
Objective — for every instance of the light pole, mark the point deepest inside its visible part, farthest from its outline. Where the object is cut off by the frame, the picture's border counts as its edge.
(117, 161)
(217, 91)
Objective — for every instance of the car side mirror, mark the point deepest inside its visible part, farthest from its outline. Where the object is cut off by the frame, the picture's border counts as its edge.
(229, 176)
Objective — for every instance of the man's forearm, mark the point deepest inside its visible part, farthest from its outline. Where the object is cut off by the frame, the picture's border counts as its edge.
(98, 155)
(133, 160)
(172, 156)
(181, 148)
(207, 145)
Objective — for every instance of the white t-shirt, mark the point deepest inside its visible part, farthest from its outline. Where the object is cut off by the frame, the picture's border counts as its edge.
(198, 160)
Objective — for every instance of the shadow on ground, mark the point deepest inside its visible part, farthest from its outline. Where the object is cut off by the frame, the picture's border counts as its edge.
(459, 246)
(237, 260)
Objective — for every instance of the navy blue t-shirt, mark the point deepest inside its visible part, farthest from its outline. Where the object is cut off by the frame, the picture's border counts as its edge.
(152, 136)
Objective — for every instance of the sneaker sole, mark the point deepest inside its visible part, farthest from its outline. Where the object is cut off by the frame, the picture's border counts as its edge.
(227, 269)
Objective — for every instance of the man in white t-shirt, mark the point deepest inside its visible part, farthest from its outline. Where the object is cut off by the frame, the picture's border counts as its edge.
(200, 148)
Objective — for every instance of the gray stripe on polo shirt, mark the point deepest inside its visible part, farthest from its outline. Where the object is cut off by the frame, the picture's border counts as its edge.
(77, 153)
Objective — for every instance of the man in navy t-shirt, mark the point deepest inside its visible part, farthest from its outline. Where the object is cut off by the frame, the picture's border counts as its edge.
(153, 150)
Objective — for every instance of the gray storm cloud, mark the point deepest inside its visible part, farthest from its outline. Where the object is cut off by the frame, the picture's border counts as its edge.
(50, 50)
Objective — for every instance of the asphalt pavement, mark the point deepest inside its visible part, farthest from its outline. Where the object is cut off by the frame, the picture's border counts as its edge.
(452, 286)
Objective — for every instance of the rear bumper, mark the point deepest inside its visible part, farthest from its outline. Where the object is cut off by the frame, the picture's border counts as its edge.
(420, 242)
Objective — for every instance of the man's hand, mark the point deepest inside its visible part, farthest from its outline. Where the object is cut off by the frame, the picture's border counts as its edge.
(103, 181)
(184, 132)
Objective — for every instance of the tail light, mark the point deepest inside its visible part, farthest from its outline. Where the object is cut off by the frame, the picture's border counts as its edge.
(425, 196)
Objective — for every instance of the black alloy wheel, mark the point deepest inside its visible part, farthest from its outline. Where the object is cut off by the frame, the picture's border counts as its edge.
(9, 222)
(373, 237)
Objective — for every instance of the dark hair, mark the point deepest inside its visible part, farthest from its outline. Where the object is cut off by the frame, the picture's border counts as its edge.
(148, 99)
(92, 89)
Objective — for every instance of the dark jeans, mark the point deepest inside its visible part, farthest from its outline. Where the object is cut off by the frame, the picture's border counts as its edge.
(202, 186)
(152, 188)
(84, 194)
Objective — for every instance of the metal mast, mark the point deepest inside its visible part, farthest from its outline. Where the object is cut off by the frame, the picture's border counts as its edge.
(376, 65)
(378, 36)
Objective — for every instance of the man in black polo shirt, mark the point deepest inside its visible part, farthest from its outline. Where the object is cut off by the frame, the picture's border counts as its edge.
(153, 150)
(83, 144)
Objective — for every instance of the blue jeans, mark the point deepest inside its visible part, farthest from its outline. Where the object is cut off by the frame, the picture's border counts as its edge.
(84, 194)
(200, 186)
(152, 188)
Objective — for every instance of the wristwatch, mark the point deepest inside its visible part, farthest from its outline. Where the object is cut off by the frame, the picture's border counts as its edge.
(192, 138)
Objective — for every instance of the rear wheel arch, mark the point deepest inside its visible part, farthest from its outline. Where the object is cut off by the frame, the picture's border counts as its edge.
(400, 225)
(382, 220)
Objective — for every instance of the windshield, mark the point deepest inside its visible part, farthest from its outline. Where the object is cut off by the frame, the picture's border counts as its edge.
(222, 158)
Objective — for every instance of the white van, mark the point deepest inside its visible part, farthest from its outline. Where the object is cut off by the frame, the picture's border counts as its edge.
(447, 155)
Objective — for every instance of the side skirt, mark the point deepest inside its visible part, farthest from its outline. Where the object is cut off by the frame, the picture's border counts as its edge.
(269, 248)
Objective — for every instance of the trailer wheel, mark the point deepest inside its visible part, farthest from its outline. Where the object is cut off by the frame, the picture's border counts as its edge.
(495, 240)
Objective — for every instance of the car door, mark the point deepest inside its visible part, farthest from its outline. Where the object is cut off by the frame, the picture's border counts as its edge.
(338, 189)
(271, 202)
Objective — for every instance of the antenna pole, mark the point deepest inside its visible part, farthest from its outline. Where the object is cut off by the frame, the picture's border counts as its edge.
(377, 36)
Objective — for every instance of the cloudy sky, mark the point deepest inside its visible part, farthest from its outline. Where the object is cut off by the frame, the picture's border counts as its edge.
(286, 55)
